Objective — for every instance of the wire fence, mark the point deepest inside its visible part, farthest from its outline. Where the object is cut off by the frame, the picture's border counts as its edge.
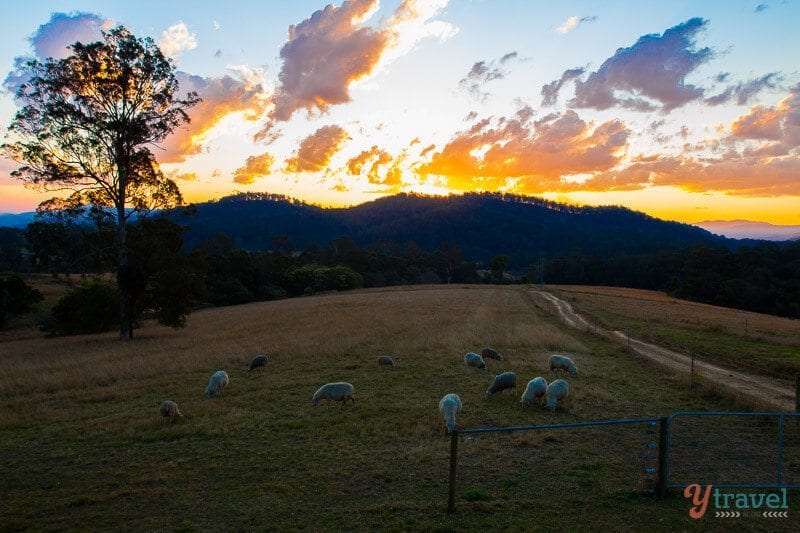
(734, 450)
(610, 456)
(626, 456)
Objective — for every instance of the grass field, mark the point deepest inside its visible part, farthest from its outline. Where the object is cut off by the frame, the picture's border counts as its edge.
(753, 342)
(82, 445)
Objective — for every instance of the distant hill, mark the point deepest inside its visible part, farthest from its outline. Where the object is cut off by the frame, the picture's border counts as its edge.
(746, 229)
(481, 224)
(16, 220)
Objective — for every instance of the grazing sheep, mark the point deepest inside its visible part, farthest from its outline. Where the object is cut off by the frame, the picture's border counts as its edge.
(169, 410)
(506, 380)
(562, 362)
(557, 391)
(450, 406)
(334, 391)
(386, 361)
(488, 353)
(536, 388)
(219, 380)
(258, 361)
(475, 360)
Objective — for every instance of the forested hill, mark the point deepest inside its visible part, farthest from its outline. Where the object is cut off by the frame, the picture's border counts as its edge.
(482, 225)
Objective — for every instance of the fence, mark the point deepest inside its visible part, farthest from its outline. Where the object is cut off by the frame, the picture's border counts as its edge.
(652, 422)
(682, 451)
(733, 450)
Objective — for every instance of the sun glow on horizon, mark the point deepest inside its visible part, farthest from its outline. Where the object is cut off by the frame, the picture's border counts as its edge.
(344, 104)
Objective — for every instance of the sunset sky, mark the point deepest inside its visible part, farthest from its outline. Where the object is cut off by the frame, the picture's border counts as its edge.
(686, 110)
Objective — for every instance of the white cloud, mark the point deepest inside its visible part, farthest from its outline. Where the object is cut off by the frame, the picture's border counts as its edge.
(177, 39)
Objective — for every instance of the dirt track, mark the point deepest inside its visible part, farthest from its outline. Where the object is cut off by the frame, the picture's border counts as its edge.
(766, 390)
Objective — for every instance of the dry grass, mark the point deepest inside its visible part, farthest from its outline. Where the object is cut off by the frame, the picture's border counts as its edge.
(402, 322)
(753, 342)
(83, 444)
(660, 307)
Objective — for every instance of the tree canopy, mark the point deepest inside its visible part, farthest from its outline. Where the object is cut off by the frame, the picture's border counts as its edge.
(87, 125)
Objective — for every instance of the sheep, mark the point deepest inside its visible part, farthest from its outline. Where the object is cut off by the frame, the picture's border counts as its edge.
(169, 410)
(562, 362)
(506, 380)
(334, 391)
(488, 353)
(258, 361)
(449, 407)
(557, 391)
(219, 380)
(386, 361)
(536, 388)
(475, 360)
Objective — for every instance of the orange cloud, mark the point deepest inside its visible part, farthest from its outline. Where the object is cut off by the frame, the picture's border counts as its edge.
(245, 93)
(317, 149)
(376, 157)
(539, 154)
(254, 167)
(760, 122)
(779, 124)
(732, 173)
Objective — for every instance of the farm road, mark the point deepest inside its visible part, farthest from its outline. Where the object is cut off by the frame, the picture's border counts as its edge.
(764, 389)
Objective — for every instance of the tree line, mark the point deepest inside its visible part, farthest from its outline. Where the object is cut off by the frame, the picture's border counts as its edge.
(168, 279)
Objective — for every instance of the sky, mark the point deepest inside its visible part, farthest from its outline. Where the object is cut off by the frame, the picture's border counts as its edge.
(686, 110)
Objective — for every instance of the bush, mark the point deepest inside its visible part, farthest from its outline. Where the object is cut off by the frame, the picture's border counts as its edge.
(91, 307)
(309, 279)
(17, 297)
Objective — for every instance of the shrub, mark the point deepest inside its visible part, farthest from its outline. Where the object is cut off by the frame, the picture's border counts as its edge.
(91, 307)
(308, 279)
(17, 297)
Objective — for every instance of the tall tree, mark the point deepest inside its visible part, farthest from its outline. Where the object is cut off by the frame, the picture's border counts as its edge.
(87, 125)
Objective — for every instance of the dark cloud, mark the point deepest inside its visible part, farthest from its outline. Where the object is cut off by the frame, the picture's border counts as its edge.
(649, 75)
(484, 72)
(52, 39)
(742, 92)
(550, 90)
(334, 47)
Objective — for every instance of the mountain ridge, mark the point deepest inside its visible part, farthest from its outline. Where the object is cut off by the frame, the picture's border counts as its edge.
(482, 224)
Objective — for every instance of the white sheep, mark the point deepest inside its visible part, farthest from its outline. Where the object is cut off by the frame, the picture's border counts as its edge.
(449, 407)
(506, 380)
(537, 387)
(386, 361)
(562, 362)
(474, 360)
(219, 380)
(488, 353)
(169, 410)
(334, 391)
(258, 361)
(557, 391)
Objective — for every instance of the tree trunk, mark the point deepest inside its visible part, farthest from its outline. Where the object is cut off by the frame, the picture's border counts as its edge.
(123, 280)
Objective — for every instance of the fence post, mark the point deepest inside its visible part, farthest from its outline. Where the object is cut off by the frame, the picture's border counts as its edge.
(451, 491)
(661, 477)
(797, 397)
